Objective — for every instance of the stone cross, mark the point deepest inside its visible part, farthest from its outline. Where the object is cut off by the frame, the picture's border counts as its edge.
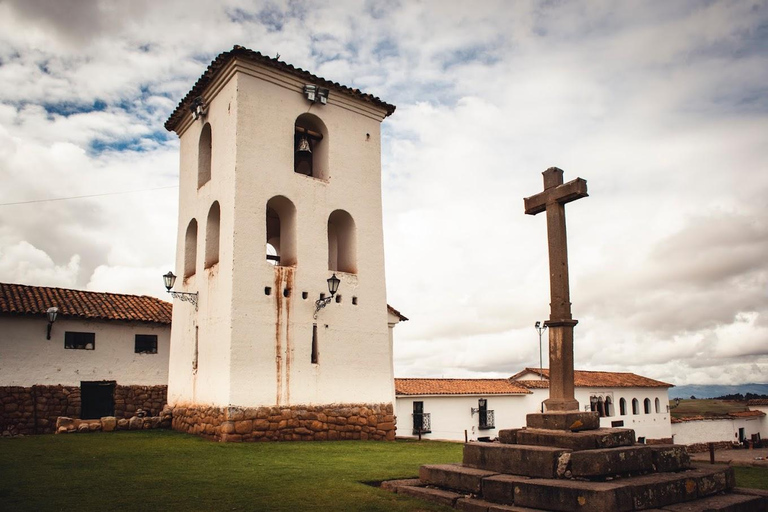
(560, 323)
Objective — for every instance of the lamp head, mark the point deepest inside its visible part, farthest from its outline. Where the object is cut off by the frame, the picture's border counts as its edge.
(333, 284)
(52, 313)
(538, 324)
(169, 279)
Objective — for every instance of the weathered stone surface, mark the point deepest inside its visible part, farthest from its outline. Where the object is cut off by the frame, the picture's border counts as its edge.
(108, 423)
(122, 424)
(454, 476)
(501, 488)
(712, 479)
(670, 457)
(538, 461)
(721, 503)
(83, 427)
(508, 435)
(63, 421)
(572, 495)
(135, 423)
(661, 489)
(476, 505)
(611, 461)
(564, 420)
(583, 440)
(392, 485)
(434, 495)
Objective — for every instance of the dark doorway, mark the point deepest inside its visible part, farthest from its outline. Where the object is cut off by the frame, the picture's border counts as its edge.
(97, 399)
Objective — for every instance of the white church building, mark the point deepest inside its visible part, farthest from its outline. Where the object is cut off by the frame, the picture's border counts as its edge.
(279, 204)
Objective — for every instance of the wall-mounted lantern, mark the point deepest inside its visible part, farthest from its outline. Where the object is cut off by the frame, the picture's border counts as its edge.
(169, 280)
(316, 94)
(198, 108)
(333, 287)
(52, 313)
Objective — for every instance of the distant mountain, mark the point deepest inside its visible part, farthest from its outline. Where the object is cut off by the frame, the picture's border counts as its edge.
(711, 391)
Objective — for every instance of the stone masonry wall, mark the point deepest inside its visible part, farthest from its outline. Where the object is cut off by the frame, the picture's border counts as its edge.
(34, 410)
(295, 423)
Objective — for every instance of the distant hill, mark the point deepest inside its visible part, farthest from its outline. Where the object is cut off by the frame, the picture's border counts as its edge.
(711, 391)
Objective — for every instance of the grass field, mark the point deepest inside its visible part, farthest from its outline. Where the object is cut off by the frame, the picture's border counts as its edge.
(754, 478)
(705, 407)
(156, 470)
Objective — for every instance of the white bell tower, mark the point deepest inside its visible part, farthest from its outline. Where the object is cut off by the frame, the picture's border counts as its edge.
(279, 191)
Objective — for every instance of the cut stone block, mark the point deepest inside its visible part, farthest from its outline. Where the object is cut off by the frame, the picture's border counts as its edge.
(721, 503)
(567, 495)
(712, 479)
(501, 488)
(584, 440)
(392, 485)
(611, 461)
(537, 461)
(508, 435)
(435, 495)
(564, 420)
(454, 476)
(670, 457)
(660, 489)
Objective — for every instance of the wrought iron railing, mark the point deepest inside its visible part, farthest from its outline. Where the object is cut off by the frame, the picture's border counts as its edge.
(422, 423)
(487, 421)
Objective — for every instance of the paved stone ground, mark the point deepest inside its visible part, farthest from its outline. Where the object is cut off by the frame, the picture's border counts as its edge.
(736, 457)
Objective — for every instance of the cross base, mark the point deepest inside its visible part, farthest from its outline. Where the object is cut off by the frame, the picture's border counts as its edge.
(561, 404)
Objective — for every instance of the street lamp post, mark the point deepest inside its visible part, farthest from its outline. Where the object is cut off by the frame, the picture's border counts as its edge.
(540, 328)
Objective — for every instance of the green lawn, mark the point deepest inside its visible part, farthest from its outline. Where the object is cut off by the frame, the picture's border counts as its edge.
(158, 470)
(752, 477)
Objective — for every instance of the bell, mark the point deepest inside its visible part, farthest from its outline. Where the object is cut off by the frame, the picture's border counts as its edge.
(303, 146)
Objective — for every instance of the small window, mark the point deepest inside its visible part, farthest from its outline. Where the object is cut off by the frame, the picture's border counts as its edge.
(314, 344)
(80, 340)
(616, 424)
(622, 407)
(658, 406)
(635, 406)
(146, 344)
(647, 406)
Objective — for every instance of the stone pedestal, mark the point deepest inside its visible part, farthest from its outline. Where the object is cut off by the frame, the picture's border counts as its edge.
(564, 462)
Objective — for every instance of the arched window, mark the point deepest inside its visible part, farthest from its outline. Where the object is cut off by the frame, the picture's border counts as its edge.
(342, 242)
(204, 156)
(190, 249)
(281, 231)
(609, 407)
(635, 406)
(658, 406)
(647, 406)
(212, 235)
(622, 407)
(310, 147)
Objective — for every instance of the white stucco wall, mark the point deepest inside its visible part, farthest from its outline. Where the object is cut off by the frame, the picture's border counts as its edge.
(28, 358)
(451, 415)
(708, 431)
(254, 349)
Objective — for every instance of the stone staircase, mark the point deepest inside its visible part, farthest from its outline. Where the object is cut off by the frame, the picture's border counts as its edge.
(563, 461)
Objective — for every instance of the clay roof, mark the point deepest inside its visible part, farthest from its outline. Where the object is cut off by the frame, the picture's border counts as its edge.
(19, 299)
(729, 416)
(396, 313)
(758, 401)
(746, 414)
(457, 387)
(238, 51)
(590, 379)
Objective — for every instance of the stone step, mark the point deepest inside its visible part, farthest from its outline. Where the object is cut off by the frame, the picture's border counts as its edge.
(584, 440)
(636, 493)
(669, 457)
(434, 495)
(563, 420)
(534, 461)
(721, 503)
(608, 462)
(454, 476)
(475, 505)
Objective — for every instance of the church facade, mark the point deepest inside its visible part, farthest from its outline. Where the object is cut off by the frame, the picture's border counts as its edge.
(280, 196)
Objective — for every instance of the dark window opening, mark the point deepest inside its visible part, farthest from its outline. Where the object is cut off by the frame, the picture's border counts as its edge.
(338, 299)
(304, 295)
(146, 344)
(619, 423)
(314, 343)
(597, 405)
(354, 301)
(647, 406)
(623, 407)
(80, 340)
(422, 423)
(286, 292)
(486, 420)
(635, 406)
(310, 150)
(267, 290)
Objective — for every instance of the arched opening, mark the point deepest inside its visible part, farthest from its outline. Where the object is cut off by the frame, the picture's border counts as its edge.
(647, 406)
(609, 407)
(190, 249)
(281, 231)
(204, 156)
(212, 235)
(622, 407)
(635, 406)
(310, 147)
(342, 242)
(658, 406)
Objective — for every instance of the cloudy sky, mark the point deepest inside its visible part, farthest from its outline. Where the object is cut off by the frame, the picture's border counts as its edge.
(661, 106)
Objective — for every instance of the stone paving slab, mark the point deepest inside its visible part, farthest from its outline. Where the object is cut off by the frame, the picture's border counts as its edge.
(392, 485)
(564, 420)
(669, 457)
(611, 461)
(426, 493)
(583, 440)
(536, 461)
(454, 476)
(721, 503)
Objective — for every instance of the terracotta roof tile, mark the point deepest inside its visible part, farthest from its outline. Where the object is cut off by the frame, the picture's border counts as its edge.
(396, 313)
(729, 416)
(587, 379)
(19, 299)
(457, 387)
(746, 414)
(238, 51)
